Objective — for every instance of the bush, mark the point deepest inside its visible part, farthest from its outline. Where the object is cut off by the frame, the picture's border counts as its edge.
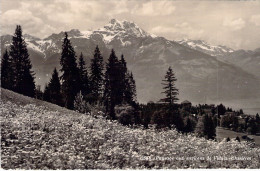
(237, 139)
(159, 119)
(125, 114)
(80, 104)
(97, 109)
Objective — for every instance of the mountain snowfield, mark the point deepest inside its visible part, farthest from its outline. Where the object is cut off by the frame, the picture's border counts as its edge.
(40, 135)
(203, 46)
(203, 75)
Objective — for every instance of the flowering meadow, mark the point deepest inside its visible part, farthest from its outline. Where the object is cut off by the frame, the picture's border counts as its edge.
(40, 135)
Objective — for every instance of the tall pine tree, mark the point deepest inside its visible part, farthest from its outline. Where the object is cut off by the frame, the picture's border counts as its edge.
(209, 128)
(133, 87)
(21, 65)
(169, 86)
(70, 73)
(127, 88)
(112, 84)
(6, 72)
(123, 81)
(97, 75)
(83, 75)
(52, 91)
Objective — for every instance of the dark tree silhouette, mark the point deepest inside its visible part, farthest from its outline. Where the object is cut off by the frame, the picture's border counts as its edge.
(188, 127)
(21, 65)
(127, 87)
(96, 74)
(112, 84)
(70, 73)
(209, 128)
(52, 91)
(132, 88)
(237, 139)
(123, 81)
(205, 127)
(221, 109)
(84, 78)
(169, 86)
(7, 72)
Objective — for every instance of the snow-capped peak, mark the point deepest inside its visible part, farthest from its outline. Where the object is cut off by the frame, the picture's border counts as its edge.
(205, 47)
(117, 30)
(120, 29)
(128, 27)
(30, 37)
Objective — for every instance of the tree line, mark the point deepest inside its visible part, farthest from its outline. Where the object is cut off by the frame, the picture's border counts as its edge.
(112, 83)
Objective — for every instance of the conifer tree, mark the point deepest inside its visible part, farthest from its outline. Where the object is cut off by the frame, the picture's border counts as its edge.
(123, 80)
(199, 130)
(6, 72)
(133, 87)
(83, 75)
(128, 94)
(112, 83)
(21, 65)
(46, 93)
(209, 128)
(97, 75)
(169, 86)
(127, 89)
(205, 127)
(130, 88)
(257, 119)
(188, 127)
(52, 91)
(70, 74)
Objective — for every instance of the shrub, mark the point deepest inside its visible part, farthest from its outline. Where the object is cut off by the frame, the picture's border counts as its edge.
(80, 104)
(125, 114)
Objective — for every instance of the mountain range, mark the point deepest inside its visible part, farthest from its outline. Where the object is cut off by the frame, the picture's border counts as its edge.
(205, 73)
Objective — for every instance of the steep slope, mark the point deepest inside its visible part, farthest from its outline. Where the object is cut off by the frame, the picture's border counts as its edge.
(39, 135)
(201, 77)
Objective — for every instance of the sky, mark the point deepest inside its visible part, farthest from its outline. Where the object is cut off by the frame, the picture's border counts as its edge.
(235, 24)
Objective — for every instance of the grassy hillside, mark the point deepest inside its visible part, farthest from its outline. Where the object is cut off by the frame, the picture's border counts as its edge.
(40, 135)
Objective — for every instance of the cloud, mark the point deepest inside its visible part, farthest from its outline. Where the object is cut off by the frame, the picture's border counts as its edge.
(234, 24)
(217, 22)
(179, 30)
(45, 17)
(255, 19)
(29, 22)
(155, 8)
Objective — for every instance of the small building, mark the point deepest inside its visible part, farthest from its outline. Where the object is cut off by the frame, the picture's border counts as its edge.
(186, 104)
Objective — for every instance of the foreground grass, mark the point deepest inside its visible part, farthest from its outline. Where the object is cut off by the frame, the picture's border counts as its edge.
(49, 137)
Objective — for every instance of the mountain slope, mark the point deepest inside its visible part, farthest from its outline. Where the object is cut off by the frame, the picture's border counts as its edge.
(201, 77)
(203, 46)
(40, 135)
(247, 60)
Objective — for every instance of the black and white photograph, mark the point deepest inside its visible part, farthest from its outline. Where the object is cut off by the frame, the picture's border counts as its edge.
(130, 84)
